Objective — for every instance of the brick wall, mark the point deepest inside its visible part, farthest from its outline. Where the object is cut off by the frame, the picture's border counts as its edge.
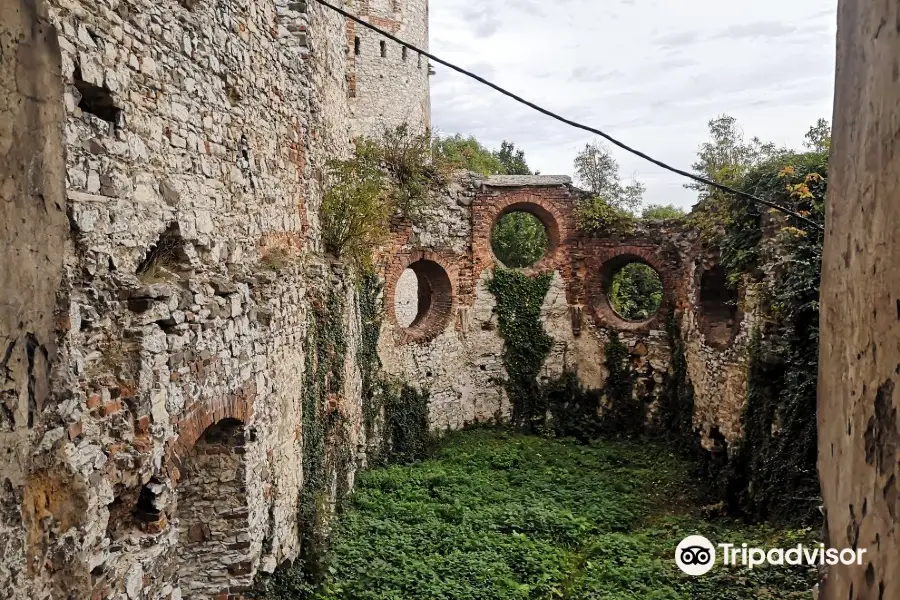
(461, 360)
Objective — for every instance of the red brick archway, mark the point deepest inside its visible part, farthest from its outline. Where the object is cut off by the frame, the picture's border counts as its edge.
(437, 275)
(609, 261)
(542, 203)
(199, 416)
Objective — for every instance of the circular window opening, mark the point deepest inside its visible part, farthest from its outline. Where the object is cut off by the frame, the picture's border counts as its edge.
(519, 240)
(635, 292)
(423, 299)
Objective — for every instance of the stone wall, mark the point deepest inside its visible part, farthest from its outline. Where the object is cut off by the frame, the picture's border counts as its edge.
(186, 142)
(859, 357)
(389, 84)
(458, 354)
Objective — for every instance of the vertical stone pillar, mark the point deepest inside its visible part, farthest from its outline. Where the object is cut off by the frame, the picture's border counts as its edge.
(33, 228)
(33, 221)
(859, 372)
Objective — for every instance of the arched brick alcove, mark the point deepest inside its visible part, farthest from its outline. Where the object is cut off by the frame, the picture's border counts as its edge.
(434, 297)
(717, 308)
(214, 550)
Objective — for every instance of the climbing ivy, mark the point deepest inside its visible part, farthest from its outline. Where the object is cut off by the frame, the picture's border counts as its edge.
(527, 344)
(587, 414)
(676, 410)
(395, 414)
(326, 448)
(560, 407)
(772, 472)
(369, 290)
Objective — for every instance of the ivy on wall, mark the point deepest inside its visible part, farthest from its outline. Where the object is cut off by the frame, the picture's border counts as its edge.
(326, 449)
(527, 344)
(676, 410)
(561, 407)
(772, 473)
(395, 414)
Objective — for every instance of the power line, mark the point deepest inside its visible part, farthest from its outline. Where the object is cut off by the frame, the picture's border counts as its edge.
(575, 124)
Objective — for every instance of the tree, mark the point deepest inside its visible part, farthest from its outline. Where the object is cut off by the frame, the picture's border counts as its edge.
(662, 212)
(357, 207)
(726, 158)
(519, 240)
(513, 160)
(818, 138)
(469, 154)
(598, 172)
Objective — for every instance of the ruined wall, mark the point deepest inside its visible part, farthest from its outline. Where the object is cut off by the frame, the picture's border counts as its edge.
(859, 358)
(195, 137)
(388, 85)
(457, 352)
(32, 242)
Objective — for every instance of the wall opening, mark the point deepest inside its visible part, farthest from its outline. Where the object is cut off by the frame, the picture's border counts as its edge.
(718, 308)
(420, 61)
(357, 48)
(423, 300)
(96, 100)
(405, 53)
(519, 239)
(524, 235)
(165, 259)
(214, 554)
(633, 290)
(383, 49)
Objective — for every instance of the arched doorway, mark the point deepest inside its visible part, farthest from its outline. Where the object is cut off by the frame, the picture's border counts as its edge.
(214, 549)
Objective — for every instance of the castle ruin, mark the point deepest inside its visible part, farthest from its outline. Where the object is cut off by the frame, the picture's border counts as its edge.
(162, 256)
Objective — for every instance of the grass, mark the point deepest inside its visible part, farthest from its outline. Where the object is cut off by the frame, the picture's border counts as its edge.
(502, 516)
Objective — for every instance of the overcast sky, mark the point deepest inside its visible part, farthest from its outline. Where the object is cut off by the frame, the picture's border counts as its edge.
(649, 72)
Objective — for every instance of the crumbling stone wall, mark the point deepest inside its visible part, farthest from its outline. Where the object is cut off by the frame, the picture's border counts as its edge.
(388, 85)
(459, 358)
(186, 143)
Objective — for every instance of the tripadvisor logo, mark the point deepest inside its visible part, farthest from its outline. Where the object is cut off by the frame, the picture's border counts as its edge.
(696, 555)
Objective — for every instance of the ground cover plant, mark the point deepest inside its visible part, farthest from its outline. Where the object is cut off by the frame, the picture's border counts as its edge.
(498, 515)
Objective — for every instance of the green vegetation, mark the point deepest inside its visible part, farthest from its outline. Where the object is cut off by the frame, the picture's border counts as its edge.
(502, 516)
(467, 153)
(661, 212)
(395, 414)
(392, 175)
(610, 207)
(519, 239)
(326, 450)
(772, 474)
(519, 301)
(636, 292)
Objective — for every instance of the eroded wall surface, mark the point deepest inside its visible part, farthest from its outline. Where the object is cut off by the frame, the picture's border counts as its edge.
(458, 353)
(165, 165)
(859, 358)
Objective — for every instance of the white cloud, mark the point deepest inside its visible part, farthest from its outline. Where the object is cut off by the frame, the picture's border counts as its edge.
(650, 72)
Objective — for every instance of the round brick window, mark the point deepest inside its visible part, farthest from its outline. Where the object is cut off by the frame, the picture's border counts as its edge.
(632, 291)
(423, 300)
(519, 239)
(524, 235)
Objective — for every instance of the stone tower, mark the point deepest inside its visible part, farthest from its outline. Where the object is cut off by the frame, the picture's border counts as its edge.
(388, 85)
